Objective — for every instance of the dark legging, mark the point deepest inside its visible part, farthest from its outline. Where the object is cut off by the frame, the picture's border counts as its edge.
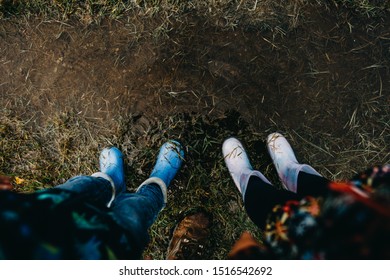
(261, 197)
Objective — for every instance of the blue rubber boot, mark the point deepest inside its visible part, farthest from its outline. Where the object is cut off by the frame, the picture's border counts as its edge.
(169, 161)
(111, 163)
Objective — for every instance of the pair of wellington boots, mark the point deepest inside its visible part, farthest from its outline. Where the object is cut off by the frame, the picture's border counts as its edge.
(282, 155)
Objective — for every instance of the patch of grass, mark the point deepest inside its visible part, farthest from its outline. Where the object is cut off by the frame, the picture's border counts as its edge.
(48, 154)
(366, 8)
(229, 14)
(86, 11)
(203, 181)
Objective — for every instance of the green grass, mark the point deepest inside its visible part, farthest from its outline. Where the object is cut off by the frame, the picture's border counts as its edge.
(49, 154)
(276, 15)
(367, 8)
(68, 145)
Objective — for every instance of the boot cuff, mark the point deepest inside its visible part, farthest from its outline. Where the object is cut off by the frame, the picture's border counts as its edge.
(108, 178)
(160, 183)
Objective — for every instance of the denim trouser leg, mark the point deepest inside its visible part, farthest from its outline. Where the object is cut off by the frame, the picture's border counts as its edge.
(91, 189)
(137, 211)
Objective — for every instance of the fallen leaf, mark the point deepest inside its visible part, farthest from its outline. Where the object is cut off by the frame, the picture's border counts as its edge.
(19, 181)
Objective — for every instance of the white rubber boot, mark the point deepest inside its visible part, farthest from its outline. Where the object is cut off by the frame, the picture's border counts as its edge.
(285, 161)
(238, 164)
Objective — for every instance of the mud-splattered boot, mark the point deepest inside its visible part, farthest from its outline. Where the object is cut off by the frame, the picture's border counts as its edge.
(238, 164)
(169, 161)
(112, 169)
(285, 161)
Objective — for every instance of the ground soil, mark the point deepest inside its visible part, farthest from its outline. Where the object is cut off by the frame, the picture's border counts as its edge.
(314, 75)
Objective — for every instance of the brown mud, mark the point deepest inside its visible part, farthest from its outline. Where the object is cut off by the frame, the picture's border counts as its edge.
(316, 75)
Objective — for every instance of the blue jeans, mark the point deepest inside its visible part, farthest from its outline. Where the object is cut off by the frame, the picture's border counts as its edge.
(135, 212)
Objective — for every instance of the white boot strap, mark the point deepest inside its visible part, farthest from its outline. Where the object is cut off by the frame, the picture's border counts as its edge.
(108, 178)
(160, 183)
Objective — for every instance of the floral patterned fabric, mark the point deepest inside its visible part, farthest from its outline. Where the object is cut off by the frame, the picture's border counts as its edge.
(351, 222)
(57, 224)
